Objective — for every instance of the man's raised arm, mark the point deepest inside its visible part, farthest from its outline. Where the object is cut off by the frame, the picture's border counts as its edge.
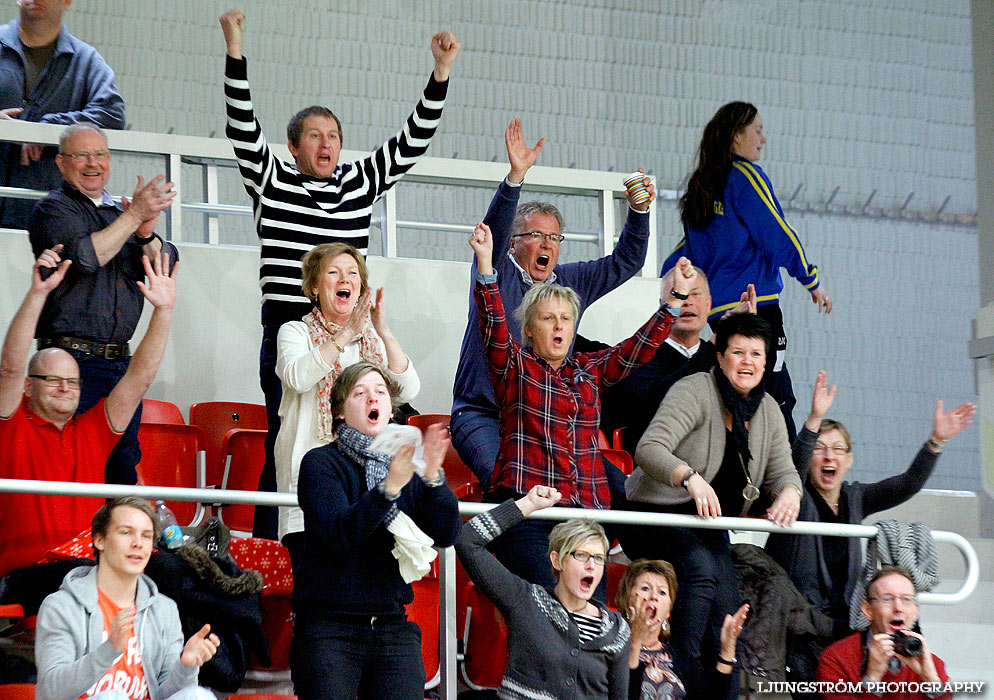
(17, 344)
(161, 293)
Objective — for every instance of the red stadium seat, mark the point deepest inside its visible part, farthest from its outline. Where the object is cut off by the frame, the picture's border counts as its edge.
(618, 439)
(602, 442)
(172, 455)
(424, 611)
(217, 418)
(272, 560)
(484, 641)
(155, 411)
(245, 455)
(462, 481)
(619, 458)
(17, 691)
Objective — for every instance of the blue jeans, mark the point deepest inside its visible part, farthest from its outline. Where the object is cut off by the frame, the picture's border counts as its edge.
(266, 521)
(477, 439)
(341, 659)
(99, 377)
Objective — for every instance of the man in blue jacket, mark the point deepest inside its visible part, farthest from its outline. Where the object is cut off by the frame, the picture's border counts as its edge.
(527, 240)
(47, 75)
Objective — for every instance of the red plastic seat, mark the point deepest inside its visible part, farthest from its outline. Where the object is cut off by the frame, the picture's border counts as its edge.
(484, 641)
(619, 458)
(155, 411)
(17, 691)
(272, 560)
(424, 611)
(245, 454)
(618, 439)
(172, 455)
(460, 478)
(217, 418)
(602, 442)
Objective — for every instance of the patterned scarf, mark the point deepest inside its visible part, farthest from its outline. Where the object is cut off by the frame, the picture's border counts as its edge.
(355, 445)
(742, 408)
(321, 330)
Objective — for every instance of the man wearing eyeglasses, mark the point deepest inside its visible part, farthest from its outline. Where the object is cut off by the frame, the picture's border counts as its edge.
(527, 240)
(890, 659)
(42, 436)
(47, 75)
(94, 312)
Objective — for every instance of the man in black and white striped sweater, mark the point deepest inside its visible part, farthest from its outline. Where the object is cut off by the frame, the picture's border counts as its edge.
(314, 200)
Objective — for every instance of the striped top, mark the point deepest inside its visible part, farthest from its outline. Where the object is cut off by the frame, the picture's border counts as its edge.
(747, 242)
(294, 212)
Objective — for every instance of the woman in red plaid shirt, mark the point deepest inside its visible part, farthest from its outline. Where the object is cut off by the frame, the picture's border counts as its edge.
(549, 400)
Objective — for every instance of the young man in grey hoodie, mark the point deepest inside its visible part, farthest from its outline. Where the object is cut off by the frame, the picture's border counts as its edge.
(108, 633)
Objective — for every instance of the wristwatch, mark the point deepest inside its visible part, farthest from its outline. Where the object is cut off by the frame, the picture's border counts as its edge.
(686, 481)
(678, 295)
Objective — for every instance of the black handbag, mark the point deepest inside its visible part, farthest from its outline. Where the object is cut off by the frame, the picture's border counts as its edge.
(212, 535)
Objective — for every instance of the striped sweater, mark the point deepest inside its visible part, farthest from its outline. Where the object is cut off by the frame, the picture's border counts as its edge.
(294, 212)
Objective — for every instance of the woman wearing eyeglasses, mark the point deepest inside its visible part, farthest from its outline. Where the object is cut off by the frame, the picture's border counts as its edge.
(826, 569)
(560, 642)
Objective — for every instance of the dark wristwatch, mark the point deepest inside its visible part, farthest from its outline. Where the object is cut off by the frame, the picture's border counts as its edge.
(677, 295)
(143, 241)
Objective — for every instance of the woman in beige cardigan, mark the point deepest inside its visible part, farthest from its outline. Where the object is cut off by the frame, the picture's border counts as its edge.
(715, 442)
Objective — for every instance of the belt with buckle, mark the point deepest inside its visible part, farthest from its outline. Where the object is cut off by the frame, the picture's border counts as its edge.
(108, 351)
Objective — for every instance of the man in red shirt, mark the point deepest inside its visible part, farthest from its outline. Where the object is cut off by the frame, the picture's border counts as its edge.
(875, 658)
(41, 438)
(108, 633)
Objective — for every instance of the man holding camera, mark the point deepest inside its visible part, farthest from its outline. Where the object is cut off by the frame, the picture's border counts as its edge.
(889, 659)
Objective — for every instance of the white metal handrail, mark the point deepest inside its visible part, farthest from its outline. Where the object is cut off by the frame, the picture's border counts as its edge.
(211, 153)
(447, 563)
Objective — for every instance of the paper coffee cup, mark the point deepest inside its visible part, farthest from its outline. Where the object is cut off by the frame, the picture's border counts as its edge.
(635, 184)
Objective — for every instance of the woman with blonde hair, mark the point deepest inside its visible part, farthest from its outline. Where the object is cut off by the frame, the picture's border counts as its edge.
(344, 328)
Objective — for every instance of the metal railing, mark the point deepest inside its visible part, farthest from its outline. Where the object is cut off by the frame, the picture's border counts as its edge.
(447, 563)
(209, 154)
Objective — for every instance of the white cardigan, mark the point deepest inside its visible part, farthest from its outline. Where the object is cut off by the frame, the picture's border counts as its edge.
(300, 366)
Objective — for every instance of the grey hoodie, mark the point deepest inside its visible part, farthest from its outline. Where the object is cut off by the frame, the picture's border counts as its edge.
(70, 652)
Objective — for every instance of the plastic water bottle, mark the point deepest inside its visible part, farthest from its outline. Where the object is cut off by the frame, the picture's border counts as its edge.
(172, 536)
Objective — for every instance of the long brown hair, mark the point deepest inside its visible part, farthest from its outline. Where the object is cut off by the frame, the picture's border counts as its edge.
(714, 161)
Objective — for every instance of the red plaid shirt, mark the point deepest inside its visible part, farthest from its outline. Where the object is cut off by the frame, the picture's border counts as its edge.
(548, 417)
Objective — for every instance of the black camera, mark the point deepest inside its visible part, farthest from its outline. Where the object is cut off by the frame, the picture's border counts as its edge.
(906, 645)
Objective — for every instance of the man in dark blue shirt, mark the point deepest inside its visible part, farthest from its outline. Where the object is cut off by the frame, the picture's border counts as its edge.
(95, 311)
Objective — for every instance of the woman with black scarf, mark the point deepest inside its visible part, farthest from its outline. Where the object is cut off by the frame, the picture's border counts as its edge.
(716, 442)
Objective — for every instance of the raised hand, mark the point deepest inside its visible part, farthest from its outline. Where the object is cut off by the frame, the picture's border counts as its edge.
(685, 277)
(482, 243)
(401, 470)
(231, 24)
(444, 47)
(149, 198)
(945, 425)
(356, 321)
(377, 314)
(55, 270)
(649, 187)
(822, 398)
(747, 303)
(435, 446)
(160, 290)
(537, 498)
(200, 648)
(519, 156)
(820, 297)
(731, 628)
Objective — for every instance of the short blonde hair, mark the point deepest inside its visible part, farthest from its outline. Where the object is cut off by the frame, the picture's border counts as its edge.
(827, 424)
(318, 256)
(566, 537)
(525, 313)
